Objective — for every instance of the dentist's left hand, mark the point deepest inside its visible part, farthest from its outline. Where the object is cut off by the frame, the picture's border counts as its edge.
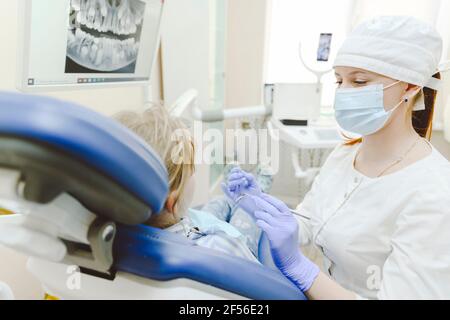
(240, 182)
(246, 203)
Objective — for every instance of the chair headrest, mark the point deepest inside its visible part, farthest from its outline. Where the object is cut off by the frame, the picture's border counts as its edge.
(89, 138)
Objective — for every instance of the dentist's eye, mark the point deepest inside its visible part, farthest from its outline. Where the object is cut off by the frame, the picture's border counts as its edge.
(360, 83)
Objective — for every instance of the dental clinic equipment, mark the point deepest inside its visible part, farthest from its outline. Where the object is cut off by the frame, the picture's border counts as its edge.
(309, 142)
(324, 44)
(297, 119)
(236, 113)
(186, 106)
(282, 101)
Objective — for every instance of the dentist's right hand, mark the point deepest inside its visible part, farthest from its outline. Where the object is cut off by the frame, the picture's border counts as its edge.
(281, 228)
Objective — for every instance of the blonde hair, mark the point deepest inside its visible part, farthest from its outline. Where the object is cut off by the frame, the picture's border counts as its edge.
(169, 137)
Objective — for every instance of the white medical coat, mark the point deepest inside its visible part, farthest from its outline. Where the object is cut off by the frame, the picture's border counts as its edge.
(386, 237)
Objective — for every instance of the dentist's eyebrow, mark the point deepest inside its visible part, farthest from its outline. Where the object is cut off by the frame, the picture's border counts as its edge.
(353, 73)
(358, 71)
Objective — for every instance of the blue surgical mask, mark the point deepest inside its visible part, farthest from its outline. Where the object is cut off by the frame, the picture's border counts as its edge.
(361, 110)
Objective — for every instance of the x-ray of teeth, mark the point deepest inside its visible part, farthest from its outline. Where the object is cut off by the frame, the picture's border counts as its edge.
(118, 16)
(104, 36)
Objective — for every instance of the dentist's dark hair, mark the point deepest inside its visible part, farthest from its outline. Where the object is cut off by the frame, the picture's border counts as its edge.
(423, 120)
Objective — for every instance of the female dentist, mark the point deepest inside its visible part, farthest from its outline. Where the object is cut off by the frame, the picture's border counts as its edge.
(379, 210)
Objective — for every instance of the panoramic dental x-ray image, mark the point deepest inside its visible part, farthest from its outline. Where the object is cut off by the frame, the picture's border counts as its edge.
(104, 36)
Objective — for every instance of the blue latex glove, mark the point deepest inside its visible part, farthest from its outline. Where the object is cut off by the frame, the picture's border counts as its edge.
(246, 203)
(281, 228)
(241, 183)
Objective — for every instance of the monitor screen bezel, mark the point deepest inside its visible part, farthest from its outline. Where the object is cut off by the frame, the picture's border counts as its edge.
(23, 52)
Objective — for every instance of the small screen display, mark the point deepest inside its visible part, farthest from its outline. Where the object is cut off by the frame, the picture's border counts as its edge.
(323, 53)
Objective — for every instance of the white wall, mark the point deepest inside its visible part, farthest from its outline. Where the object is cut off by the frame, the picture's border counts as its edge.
(245, 55)
(185, 49)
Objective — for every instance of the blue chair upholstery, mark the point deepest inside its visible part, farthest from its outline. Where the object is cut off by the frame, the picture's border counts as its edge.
(156, 254)
(123, 159)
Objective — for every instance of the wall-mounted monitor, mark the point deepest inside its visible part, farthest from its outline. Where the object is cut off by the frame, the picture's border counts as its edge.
(66, 44)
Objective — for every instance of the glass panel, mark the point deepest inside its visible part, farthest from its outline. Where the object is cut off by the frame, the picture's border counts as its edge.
(218, 51)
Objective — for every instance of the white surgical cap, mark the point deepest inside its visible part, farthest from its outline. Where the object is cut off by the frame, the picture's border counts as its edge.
(400, 47)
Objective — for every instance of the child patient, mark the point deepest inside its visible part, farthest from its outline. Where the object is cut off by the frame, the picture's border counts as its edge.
(218, 224)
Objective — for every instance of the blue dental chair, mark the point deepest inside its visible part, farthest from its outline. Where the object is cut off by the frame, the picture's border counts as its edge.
(85, 184)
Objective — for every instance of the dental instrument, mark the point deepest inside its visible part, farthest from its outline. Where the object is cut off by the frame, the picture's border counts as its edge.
(239, 199)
